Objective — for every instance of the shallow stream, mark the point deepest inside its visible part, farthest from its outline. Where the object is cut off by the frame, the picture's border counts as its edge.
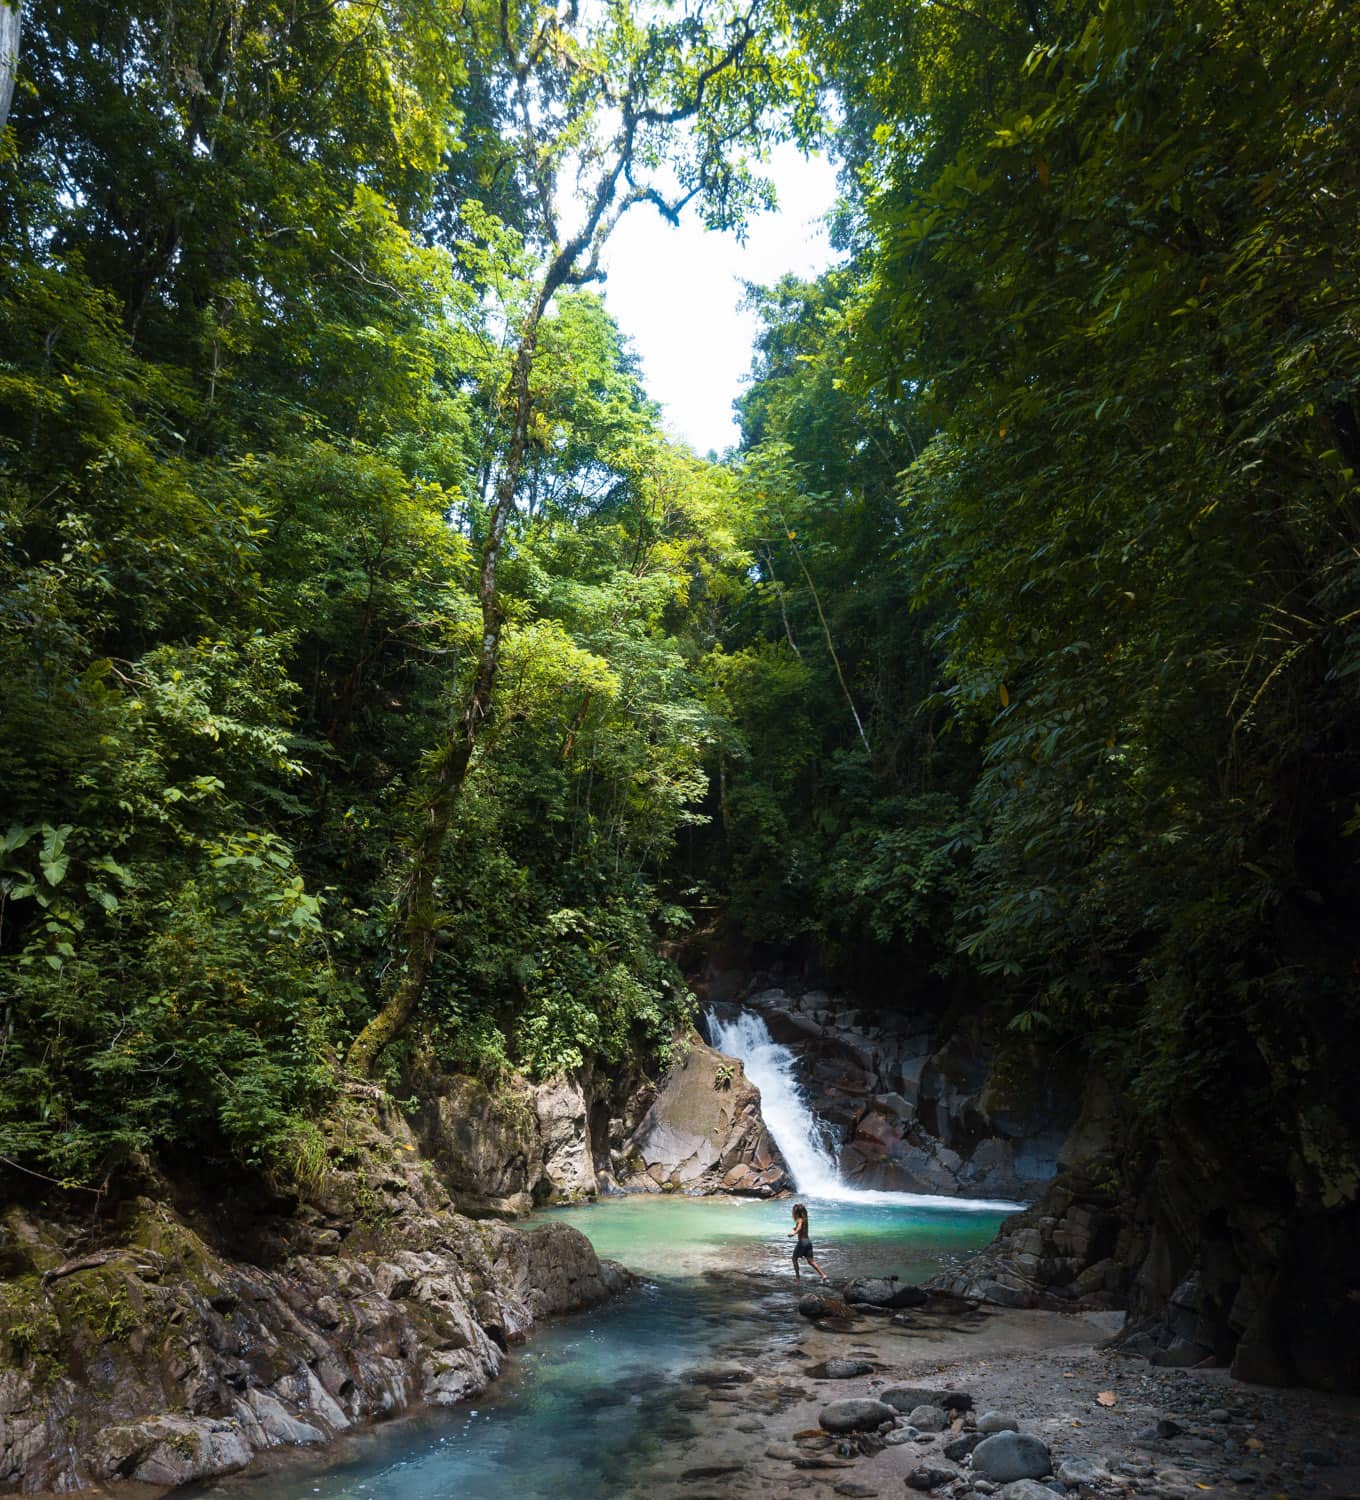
(594, 1401)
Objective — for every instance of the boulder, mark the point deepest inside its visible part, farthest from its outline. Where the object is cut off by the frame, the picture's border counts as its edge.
(878, 1291)
(930, 1477)
(1026, 1489)
(1006, 1456)
(822, 1305)
(906, 1397)
(928, 1418)
(856, 1414)
(703, 1132)
(997, 1421)
(957, 1449)
(719, 1375)
(841, 1369)
(1074, 1472)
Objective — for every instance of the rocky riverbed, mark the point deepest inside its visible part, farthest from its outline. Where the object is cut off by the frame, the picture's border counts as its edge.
(955, 1400)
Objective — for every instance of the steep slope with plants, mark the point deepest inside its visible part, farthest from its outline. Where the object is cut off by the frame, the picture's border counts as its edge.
(1057, 592)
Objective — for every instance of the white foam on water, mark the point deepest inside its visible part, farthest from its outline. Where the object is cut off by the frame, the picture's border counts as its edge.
(802, 1138)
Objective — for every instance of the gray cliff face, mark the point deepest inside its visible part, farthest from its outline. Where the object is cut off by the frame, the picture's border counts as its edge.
(148, 1352)
(919, 1103)
(702, 1132)
(1071, 1249)
(503, 1151)
(697, 1129)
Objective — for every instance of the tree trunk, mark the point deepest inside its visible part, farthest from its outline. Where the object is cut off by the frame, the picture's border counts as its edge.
(11, 16)
(449, 769)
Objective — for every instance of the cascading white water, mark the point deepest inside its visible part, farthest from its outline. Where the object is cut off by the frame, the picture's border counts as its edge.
(801, 1137)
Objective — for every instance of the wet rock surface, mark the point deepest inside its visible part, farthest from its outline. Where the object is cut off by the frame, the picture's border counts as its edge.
(1092, 1424)
(151, 1348)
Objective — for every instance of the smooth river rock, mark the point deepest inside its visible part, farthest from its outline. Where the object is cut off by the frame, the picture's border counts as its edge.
(1025, 1489)
(1078, 1471)
(930, 1477)
(842, 1369)
(878, 1291)
(857, 1414)
(1007, 1456)
(822, 1305)
(907, 1397)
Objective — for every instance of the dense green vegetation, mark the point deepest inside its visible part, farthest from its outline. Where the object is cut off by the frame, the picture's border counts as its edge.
(376, 670)
(1070, 449)
(294, 354)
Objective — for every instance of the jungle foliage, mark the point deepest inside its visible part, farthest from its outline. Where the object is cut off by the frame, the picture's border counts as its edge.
(1068, 447)
(267, 267)
(366, 641)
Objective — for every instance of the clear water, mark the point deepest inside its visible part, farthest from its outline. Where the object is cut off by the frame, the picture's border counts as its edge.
(591, 1402)
(802, 1138)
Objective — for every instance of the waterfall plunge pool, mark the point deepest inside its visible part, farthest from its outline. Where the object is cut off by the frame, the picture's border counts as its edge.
(596, 1401)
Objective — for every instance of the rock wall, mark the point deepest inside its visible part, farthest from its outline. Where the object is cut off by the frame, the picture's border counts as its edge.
(701, 1132)
(504, 1150)
(148, 1347)
(921, 1101)
(1210, 1268)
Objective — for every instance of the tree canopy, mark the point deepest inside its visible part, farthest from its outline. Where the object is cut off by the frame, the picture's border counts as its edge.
(382, 682)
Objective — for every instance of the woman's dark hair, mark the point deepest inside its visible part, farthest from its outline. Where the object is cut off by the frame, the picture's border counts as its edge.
(799, 1211)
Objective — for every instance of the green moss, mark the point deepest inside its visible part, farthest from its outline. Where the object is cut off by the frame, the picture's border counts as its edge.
(97, 1307)
(183, 1443)
(30, 1332)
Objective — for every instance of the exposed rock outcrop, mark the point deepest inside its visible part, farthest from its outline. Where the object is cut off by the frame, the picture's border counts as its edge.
(921, 1102)
(1167, 1230)
(1069, 1250)
(153, 1350)
(702, 1132)
(504, 1150)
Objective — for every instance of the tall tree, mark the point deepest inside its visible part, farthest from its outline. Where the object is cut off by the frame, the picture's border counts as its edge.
(11, 20)
(611, 109)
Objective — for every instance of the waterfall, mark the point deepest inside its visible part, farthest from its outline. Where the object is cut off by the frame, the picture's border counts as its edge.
(804, 1141)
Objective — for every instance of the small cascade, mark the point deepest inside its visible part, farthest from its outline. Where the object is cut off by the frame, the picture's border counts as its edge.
(804, 1141)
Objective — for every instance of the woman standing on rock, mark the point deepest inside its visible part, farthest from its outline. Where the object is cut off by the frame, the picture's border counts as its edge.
(802, 1249)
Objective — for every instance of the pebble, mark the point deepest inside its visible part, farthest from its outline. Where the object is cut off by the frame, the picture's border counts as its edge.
(928, 1418)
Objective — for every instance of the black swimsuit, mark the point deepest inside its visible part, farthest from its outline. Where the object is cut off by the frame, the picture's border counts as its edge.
(802, 1249)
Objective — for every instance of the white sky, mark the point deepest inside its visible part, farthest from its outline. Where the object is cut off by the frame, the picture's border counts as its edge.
(675, 294)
